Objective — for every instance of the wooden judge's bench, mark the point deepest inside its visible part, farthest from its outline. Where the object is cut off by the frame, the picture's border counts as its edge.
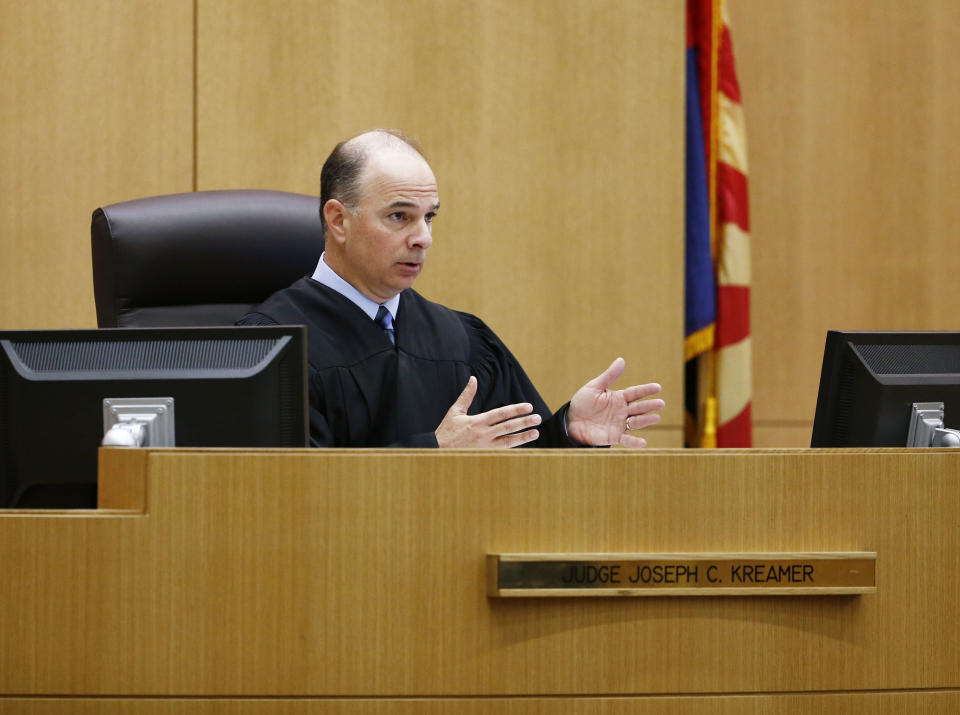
(334, 581)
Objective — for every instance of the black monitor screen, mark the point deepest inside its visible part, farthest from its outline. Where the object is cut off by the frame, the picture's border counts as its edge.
(870, 381)
(232, 387)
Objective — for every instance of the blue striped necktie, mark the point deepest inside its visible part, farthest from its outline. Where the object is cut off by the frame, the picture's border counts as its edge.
(385, 321)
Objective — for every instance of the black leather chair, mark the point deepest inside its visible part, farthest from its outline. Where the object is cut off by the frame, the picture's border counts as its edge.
(199, 259)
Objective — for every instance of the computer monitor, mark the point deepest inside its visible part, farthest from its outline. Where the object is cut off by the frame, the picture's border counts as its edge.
(231, 387)
(870, 382)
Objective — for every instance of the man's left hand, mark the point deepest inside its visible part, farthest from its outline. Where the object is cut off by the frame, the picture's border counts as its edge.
(599, 416)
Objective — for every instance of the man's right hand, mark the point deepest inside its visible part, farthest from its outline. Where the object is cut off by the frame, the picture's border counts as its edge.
(508, 426)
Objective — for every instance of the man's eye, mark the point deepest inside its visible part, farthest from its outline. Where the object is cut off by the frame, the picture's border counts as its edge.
(397, 216)
(429, 217)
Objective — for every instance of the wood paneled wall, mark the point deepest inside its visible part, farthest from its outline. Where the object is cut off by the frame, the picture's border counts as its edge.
(97, 107)
(851, 114)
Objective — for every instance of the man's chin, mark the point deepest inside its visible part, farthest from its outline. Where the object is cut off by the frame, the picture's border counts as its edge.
(398, 286)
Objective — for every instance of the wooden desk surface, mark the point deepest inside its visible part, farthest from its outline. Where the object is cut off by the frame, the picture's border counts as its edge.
(329, 573)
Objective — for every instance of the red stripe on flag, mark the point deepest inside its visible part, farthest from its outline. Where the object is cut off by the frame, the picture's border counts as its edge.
(727, 72)
(733, 315)
(736, 432)
(700, 17)
(732, 199)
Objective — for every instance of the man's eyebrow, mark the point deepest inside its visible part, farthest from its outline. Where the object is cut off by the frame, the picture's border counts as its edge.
(405, 204)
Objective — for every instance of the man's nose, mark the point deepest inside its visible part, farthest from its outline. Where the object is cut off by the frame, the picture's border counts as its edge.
(421, 237)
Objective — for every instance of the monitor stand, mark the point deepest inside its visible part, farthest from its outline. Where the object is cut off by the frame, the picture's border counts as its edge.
(926, 427)
(138, 422)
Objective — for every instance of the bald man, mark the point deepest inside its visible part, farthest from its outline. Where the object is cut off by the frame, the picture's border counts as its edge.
(390, 368)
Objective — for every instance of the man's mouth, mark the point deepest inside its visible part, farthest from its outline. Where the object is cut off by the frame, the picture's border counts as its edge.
(410, 266)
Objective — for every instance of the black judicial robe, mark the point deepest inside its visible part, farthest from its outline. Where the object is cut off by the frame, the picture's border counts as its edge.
(367, 392)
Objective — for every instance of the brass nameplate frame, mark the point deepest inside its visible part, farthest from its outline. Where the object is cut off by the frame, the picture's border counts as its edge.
(686, 574)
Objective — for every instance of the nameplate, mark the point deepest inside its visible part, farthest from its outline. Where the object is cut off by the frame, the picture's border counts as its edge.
(695, 574)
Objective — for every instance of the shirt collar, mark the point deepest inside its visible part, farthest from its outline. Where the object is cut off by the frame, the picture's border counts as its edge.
(328, 277)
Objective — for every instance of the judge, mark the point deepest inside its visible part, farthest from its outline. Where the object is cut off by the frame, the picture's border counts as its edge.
(387, 367)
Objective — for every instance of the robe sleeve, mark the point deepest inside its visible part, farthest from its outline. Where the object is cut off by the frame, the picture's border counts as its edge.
(502, 381)
(421, 440)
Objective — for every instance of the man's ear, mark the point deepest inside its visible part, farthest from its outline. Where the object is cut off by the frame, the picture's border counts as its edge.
(336, 215)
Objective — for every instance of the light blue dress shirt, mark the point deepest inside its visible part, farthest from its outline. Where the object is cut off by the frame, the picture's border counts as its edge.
(328, 277)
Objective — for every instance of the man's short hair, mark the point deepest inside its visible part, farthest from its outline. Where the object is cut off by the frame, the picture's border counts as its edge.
(340, 175)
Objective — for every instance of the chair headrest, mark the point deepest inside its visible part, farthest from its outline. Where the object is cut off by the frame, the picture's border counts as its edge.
(216, 248)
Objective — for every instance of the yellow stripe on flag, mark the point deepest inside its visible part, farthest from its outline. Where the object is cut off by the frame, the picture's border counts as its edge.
(733, 380)
(733, 262)
(725, 13)
(732, 135)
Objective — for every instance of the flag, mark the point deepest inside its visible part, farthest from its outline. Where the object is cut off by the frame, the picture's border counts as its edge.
(717, 330)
